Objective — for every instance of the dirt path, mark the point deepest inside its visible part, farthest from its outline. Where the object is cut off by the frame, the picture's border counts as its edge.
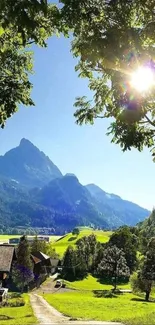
(48, 315)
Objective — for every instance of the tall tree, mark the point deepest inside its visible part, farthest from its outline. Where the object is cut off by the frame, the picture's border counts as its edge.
(140, 284)
(112, 39)
(113, 265)
(128, 242)
(22, 24)
(69, 263)
(23, 268)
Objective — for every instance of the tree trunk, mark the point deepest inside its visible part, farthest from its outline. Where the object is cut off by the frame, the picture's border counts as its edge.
(147, 294)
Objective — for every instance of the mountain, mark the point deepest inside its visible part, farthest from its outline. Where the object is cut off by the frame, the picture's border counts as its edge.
(28, 165)
(34, 193)
(67, 195)
(119, 211)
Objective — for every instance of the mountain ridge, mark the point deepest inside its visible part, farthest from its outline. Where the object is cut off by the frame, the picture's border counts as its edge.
(34, 191)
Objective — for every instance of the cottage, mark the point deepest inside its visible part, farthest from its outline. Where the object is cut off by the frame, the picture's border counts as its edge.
(7, 257)
(54, 265)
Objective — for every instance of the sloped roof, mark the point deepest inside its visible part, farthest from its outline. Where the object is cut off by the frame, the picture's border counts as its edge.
(35, 259)
(6, 257)
(41, 256)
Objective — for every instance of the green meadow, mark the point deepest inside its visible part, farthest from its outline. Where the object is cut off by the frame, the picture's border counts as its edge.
(18, 315)
(62, 244)
(126, 308)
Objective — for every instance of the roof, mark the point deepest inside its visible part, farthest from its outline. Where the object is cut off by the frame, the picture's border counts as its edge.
(6, 257)
(41, 256)
(35, 259)
(54, 262)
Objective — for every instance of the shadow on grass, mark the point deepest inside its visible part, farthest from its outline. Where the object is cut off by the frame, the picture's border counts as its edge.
(142, 300)
(72, 238)
(106, 294)
(5, 317)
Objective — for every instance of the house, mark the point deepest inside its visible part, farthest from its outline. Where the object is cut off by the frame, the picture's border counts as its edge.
(7, 257)
(54, 265)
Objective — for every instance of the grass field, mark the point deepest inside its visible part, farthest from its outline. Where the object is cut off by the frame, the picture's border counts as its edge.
(18, 315)
(91, 283)
(125, 308)
(69, 239)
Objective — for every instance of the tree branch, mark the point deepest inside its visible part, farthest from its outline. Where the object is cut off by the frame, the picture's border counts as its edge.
(153, 124)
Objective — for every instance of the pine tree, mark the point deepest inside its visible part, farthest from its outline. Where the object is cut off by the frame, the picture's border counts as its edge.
(69, 263)
(113, 264)
(23, 270)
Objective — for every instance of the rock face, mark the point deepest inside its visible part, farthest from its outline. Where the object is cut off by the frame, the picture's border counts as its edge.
(33, 192)
(28, 165)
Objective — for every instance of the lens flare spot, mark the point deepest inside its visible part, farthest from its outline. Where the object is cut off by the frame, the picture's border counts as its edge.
(142, 79)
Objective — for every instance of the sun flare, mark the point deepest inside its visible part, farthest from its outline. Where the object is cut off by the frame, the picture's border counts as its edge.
(142, 79)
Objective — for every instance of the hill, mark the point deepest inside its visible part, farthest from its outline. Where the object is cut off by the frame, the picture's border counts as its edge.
(62, 244)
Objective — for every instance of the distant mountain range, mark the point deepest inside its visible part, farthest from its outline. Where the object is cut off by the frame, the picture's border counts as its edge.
(33, 192)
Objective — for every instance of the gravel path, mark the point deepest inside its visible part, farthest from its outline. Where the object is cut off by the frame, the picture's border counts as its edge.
(48, 315)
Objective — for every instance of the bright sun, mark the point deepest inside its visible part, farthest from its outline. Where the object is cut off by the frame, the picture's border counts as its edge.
(142, 79)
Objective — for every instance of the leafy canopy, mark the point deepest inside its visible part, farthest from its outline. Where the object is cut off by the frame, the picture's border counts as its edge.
(112, 38)
(22, 24)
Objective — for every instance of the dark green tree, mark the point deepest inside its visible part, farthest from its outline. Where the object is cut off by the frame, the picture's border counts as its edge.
(39, 246)
(87, 247)
(69, 263)
(128, 242)
(112, 39)
(22, 272)
(113, 265)
(76, 231)
(140, 284)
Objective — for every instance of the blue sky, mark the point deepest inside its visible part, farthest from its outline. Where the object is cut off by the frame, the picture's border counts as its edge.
(85, 151)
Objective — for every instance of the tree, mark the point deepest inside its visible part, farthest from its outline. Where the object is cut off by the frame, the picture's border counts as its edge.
(113, 265)
(111, 41)
(138, 283)
(86, 250)
(128, 242)
(22, 24)
(39, 246)
(146, 276)
(69, 263)
(22, 272)
(76, 231)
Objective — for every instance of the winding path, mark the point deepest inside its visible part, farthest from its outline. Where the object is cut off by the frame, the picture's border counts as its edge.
(48, 315)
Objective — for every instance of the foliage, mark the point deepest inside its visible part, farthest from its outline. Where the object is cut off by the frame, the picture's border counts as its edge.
(22, 272)
(69, 263)
(39, 246)
(22, 24)
(113, 265)
(76, 231)
(111, 41)
(128, 242)
(139, 284)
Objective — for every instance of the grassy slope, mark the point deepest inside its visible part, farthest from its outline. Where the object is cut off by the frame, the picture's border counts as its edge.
(125, 308)
(20, 315)
(91, 283)
(69, 239)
